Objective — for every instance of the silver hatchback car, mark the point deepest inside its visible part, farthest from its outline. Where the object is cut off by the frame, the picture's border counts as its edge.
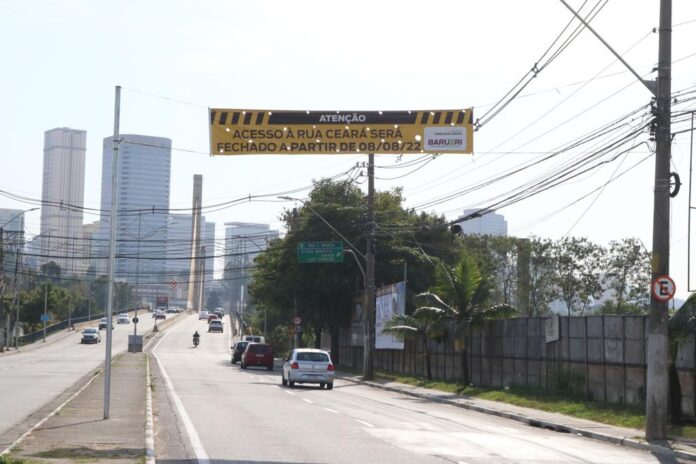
(306, 365)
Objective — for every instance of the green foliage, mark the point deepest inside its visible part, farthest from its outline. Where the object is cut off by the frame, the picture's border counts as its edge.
(280, 338)
(611, 307)
(628, 274)
(322, 294)
(577, 272)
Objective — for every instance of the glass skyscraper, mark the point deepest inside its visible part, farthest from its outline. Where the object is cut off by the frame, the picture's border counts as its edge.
(143, 211)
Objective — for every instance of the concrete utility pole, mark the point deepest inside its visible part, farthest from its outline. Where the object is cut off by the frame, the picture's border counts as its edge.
(112, 251)
(657, 394)
(368, 366)
(193, 287)
(657, 397)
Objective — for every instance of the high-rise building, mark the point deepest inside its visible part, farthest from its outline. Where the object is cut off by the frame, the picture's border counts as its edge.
(11, 238)
(62, 195)
(243, 242)
(144, 173)
(179, 253)
(488, 224)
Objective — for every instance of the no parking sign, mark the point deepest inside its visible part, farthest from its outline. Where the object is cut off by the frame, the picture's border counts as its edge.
(663, 288)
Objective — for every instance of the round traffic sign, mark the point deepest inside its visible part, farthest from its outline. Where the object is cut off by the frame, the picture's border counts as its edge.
(663, 288)
(135, 320)
(297, 320)
(172, 284)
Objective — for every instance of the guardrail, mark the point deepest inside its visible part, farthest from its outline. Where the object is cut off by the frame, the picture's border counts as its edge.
(53, 328)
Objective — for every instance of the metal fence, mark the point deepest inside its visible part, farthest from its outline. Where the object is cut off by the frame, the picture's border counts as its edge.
(54, 328)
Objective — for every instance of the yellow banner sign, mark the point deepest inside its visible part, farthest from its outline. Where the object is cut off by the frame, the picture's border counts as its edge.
(261, 132)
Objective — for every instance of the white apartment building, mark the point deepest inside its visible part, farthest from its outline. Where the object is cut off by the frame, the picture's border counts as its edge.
(62, 196)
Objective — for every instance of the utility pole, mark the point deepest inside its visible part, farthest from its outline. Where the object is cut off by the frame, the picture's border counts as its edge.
(368, 367)
(3, 323)
(657, 397)
(112, 252)
(137, 278)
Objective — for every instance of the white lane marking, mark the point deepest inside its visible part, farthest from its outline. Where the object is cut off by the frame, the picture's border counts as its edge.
(331, 410)
(363, 422)
(289, 392)
(196, 443)
(149, 421)
(307, 401)
(53, 413)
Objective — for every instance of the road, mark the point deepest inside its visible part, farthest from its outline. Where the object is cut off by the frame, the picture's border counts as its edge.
(236, 415)
(35, 376)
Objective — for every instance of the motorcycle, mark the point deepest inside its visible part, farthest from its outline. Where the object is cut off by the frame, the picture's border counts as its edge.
(195, 342)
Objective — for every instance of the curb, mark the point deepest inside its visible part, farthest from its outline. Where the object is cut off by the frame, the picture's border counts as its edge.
(622, 441)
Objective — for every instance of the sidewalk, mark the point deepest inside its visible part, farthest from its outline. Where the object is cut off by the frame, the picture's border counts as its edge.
(632, 438)
(79, 432)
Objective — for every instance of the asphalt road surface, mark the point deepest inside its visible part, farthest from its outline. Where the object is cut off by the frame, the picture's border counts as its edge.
(238, 416)
(38, 374)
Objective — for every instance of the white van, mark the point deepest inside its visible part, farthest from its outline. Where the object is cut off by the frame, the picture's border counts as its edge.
(254, 338)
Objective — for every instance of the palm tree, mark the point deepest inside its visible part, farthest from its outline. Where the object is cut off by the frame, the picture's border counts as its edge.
(426, 323)
(461, 291)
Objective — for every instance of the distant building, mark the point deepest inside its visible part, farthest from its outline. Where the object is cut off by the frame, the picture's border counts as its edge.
(243, 242)
(92, 251)
(179, 253)
(143, 211)
(62, 196)
(11, 238)
(488, 224)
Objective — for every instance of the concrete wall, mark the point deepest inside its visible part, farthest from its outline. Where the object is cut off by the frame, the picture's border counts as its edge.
(602, 357)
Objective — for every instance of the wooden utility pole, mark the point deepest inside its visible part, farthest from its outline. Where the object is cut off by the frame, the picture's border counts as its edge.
(657, 398)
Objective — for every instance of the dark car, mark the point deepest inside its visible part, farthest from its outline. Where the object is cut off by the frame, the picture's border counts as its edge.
(258, 354)
(237, 351)
(215, 326)
(219, 313)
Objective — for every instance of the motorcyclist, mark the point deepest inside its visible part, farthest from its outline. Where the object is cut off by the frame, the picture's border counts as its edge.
(196, 337)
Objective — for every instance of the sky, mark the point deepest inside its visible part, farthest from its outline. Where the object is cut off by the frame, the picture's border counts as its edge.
(174, 59)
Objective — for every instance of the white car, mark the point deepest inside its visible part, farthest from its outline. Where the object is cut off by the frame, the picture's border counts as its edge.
(122, 319)
(306, 365)
(203, 315)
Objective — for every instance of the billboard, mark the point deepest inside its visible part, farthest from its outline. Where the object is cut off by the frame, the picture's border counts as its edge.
(264, 132)
(389, 300)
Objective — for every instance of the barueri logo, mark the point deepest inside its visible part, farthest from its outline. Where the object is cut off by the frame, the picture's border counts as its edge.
(445, 138)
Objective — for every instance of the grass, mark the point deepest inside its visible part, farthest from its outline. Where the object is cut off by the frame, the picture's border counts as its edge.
(547, 400)
(5, 459)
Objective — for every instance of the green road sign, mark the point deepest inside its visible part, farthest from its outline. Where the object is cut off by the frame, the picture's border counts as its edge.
(320, 252)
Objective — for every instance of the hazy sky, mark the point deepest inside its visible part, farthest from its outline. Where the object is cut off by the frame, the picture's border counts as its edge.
(174, 59)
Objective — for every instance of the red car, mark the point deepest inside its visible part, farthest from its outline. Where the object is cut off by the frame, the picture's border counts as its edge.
(211, 317)
(258, 354)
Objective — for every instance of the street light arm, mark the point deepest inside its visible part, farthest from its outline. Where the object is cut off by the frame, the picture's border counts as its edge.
(354, 248)
(357, 261)
(17, 215)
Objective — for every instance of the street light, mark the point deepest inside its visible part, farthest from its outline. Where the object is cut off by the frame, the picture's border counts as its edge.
(368, 288)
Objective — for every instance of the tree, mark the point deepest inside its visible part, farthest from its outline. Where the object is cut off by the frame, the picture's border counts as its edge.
(322, 294)
(461, 291)
(541, 272)
(628, 274)
(425, 323)
(577, 264)
(32, 304)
